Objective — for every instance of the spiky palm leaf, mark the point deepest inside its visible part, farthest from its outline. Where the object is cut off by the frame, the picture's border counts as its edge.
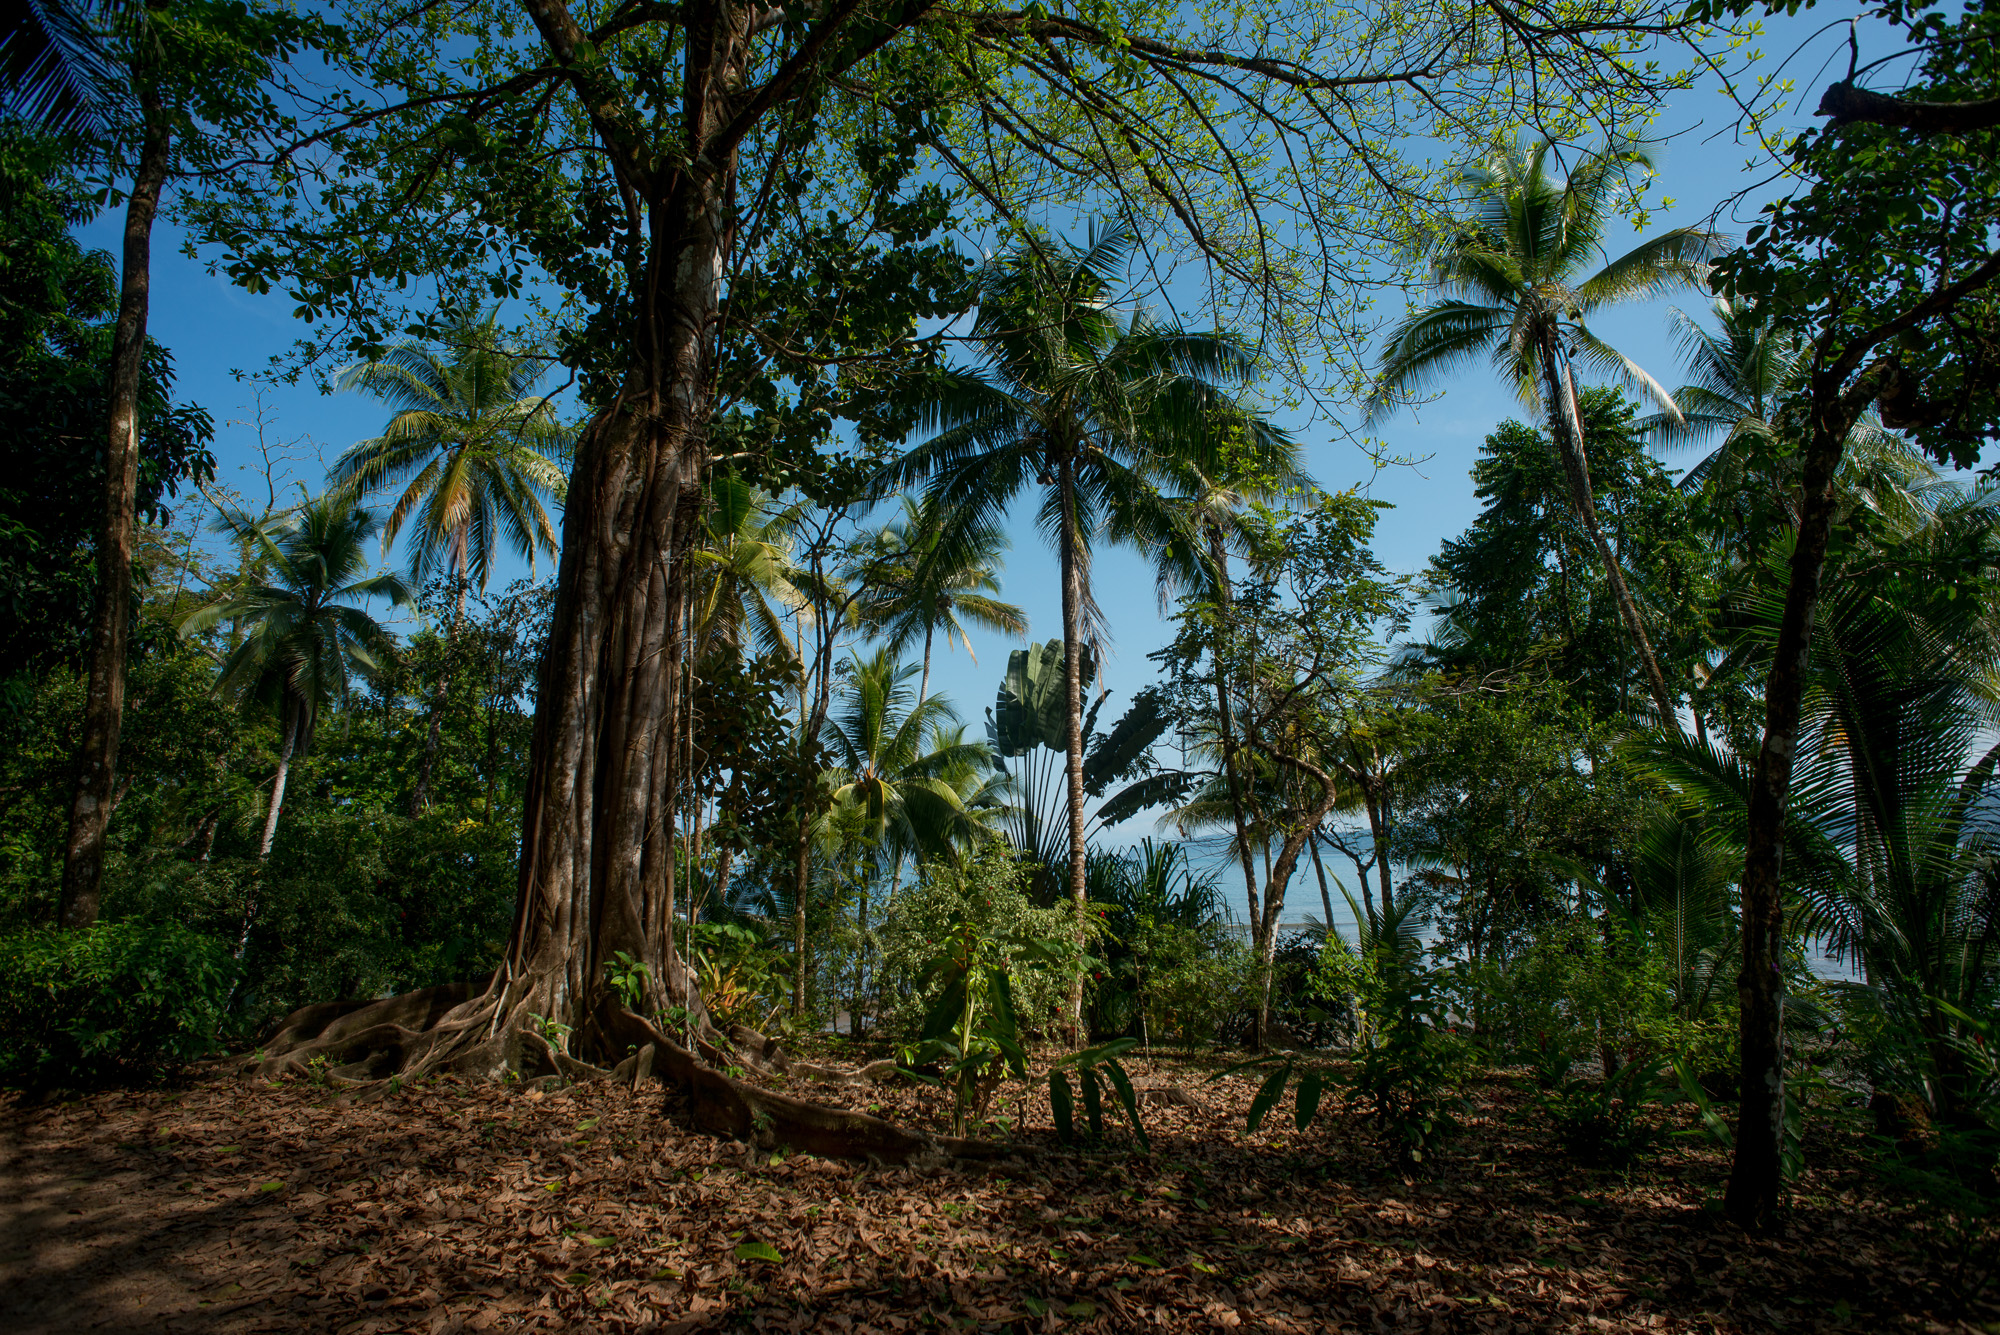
(472, 449)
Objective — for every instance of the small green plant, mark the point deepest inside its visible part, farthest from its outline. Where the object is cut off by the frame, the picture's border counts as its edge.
(1598, 1122)
(742, 980)
(628, 978)
(971, 1030)
(1408, 1062)
(1096, 1068)
(553, 1032)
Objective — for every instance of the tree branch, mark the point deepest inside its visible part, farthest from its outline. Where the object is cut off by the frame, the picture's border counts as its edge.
(1844, 104)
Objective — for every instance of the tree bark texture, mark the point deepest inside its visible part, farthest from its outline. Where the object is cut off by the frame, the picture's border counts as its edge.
(1566, 425)
(1072, 613)
(1274, 893)
(1756, 1175)
(598, 822)
(111, 616)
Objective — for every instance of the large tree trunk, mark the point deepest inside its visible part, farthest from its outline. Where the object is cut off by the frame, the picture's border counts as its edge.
(1756, 1177)
(1566, 426)
(111, 619)
(1072, 614)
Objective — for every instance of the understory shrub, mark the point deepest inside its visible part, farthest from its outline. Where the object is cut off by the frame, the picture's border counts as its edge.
(121, 1002)
(988, 891)
(1599, 1122)
(1408, 1062)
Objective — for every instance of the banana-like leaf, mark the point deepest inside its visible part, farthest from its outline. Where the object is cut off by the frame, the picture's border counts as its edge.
(945, 1012)
(1123, 751)
(1311, 1085)
(1166, 788)
(1063, 1104)
(1093, 1102)
(1267, 1097)
(1126, 1096)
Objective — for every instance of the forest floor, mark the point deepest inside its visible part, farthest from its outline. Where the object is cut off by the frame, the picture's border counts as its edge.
(223, 1206)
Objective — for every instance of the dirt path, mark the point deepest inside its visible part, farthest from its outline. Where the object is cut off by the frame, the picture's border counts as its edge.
(225, 1207)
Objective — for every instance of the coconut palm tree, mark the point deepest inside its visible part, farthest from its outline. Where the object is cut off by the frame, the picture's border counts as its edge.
(475, 451)
(54, 69)
(301, 637)
(902, 764)
(744, 582)
(1099, 408)
(1742, 373)
(473, 448)
(1513, 285)
(912, 595)
(1889, 838)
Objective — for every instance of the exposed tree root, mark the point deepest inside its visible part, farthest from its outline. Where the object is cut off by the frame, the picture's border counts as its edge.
(466, 1030)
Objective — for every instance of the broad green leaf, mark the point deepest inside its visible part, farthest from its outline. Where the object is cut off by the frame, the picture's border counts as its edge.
(1093, 1105)
(1130, 1100)
(1062, 1104)
(1268, 1096)
(1310, 1087)
(757, 1251)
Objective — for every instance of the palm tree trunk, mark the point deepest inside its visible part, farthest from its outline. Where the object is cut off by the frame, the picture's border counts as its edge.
(1325, 897)
(1072, 613)
(924, 685)
(1756, 1177)
(1566, 426)
(285, 747)
(110, 629)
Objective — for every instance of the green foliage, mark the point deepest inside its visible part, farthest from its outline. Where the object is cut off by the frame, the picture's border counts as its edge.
(1884, 258)
(1097, 1070)
(57, 303)
(1599, 1122)
(1408, 1062)
(627, 978)
(118, 1002)
(742, 975)
(1524, 584)
(971, 1029)
(987, 893)
(1164, 964)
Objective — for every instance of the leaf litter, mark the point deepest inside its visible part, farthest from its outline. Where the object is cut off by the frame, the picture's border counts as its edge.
(226, 1207)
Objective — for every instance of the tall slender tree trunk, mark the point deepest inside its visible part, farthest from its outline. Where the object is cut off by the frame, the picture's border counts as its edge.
(1756, 1177)
(292, 724)
(1218, 555)
(1378, 837)
(420, 795)
(924, 685)
(1566, 425)
(111, 618)
(1072, 614)
(1279, 879)
(1325, 896)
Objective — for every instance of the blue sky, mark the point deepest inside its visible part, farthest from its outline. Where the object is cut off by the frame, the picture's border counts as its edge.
(217, 331)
